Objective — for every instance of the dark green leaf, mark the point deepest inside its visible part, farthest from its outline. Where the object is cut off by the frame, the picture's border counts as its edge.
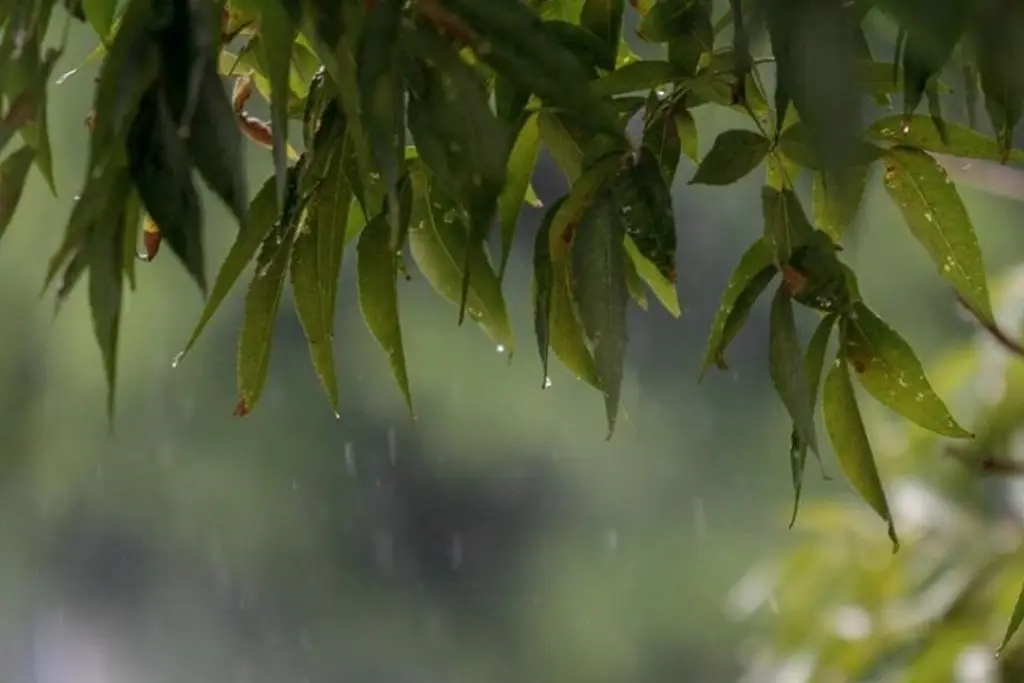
(277, 38)
(816, 278)
(643, 197)
(521, 162)
(639, 76)
(919, 132)
(591, 50)
(438, 238)
(598, 281)
(13, 174)
(604, 19)
(796, 143)
(786, 368)
(752, 275)
(692, 36)
(734, 154)
(566, 150)
(998, 42)
(543, 288)
(687, 128)
(890, 371)
(259, 222)
(937, 218)
(661, 137)
(835, 201)
(931, 36)
(786, 227)
(853, 449)
(377, 267)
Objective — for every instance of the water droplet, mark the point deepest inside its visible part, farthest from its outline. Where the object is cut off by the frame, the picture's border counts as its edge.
(177, 359)
(547, 383)
(500, 348)
(337, 415)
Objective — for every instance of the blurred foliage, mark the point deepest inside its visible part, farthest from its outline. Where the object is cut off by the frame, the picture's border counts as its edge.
(480, 89)
(834, 605)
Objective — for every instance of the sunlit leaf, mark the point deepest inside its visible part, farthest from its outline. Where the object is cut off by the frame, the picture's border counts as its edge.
(889, 370)
(937, 218)
(733, 155)
(853, 449)
(919, 132)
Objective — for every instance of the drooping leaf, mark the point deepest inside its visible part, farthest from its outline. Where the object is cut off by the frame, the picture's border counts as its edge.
(604, 19)
(599, 291)
(377, 268)
(565, 149)
(938, 220)
(438, 239)
(889, 370)
(592, 51)
(998, 41)
(277, 38)
(661, 136)
(648, 273)
(836, 200)
(786, 227)
(100, 14)
(786, 367)
(919, 132)
(259, 222)
(733, 155)
(853, 449)
(931, 35)
(752, 275)
(687, 128)
(13, 174)
(642, 194)
(521, 162)
(581, 195)
(543, 289)
(1016, 619)
(814, 363)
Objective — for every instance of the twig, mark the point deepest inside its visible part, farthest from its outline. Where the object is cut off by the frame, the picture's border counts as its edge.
(1005, 340)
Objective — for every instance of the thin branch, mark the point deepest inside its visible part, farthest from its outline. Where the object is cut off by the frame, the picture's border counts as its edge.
(1004, 338)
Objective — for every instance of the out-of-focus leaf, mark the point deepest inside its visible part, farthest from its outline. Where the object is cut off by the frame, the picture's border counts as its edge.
(937, 218)
(598, 281)
(786, 368)
(591, 50)
(377, 267)
(931, 36)
(998, 41)
(100, 14)
(564, 148)
(919, 132)
(104, 249)
(636, 77)
(733, 155)
(853, 449)
(13, 174)
(889, 370)
(786, 227)
(814, 363)
(277, 38)
(521, 162)
(836, 200)
(797, 145)
(259, 222)
(1016, 619)
(687, 128)
(752, 275)
(438, 239)
(604, 19)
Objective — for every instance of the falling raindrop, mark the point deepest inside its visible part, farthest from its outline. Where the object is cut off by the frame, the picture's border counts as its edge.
(350, 460)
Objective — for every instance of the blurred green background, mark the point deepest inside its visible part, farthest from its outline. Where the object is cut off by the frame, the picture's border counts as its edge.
(498, 538)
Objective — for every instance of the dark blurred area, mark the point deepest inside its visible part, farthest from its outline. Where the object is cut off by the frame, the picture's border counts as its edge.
(498, 537)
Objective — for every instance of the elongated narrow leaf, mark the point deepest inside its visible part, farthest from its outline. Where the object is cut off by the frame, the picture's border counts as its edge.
(565, 149)
(853, 449)
(752, 275)
(937, 218)
(664, 289)
(888, 368)
(604, 19)
(277, 37)
(786, 227)
(835, 201)
(786, 367)
(1016, 619)
(259, 222)
(377, 268)
(814, 363)
(920, 132)
(521, 162)
(734, 154)
(998, 43)
(661, 137)
(13, 174)
(100, 14)
(106, 283)
(381, 89)
(640, 76)
(438, 239)
(642, 194)
(598, 279)
(543, 289)
(580, 197)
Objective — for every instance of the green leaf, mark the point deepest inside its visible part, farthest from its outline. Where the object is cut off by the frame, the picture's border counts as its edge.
(259, 222)
(937, 218)
(277, 38)
(591, 50)
(604, 19)
(999, 47)
(381, 91)
(796, 143)
(643, 196)
(817, 278)
(691, 36)
(100, 14)
(438, 239)
(853, 449)
(786, 227)
(565, 149)
(13, 174)
(581, 195)
(931, 36)
(687, 128)
(1015, 621)
(639, 76)
(661, 136)
(645, 269)
(814, 363)
(377, 268)
(733, 155)
(752, 275)
(261, 304)
(162, 170)
(786, 367)
(599, 291)
(543, 287)
(919, 132)
(889, 370)
(835, 201)
(521, 162)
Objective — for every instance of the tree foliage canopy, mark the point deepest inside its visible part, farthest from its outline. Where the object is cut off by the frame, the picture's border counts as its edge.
(421, 123)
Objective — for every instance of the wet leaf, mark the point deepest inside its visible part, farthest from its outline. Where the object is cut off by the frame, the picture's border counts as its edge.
(13, 175)
(543, 287)
(786, 367)
(643, 198)
(521, 162)
(853, 449)
(641, 76)
(786, 227)
(752, 275)
(1015, 621)
(377, 268)
(814, 363)
(919, 132)
(260, 220)
(999, 47)
(438, 239)
(598, 285)
(889, 370)
(734, 154)
(663, 289)
(835, 201)
(938, 220)
(817, 278)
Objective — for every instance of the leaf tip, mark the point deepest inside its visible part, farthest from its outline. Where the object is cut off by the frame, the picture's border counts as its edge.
(242, 408)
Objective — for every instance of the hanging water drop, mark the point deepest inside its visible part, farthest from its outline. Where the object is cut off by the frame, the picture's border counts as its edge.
(547, 383)
(500, 348)
(177, 359)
